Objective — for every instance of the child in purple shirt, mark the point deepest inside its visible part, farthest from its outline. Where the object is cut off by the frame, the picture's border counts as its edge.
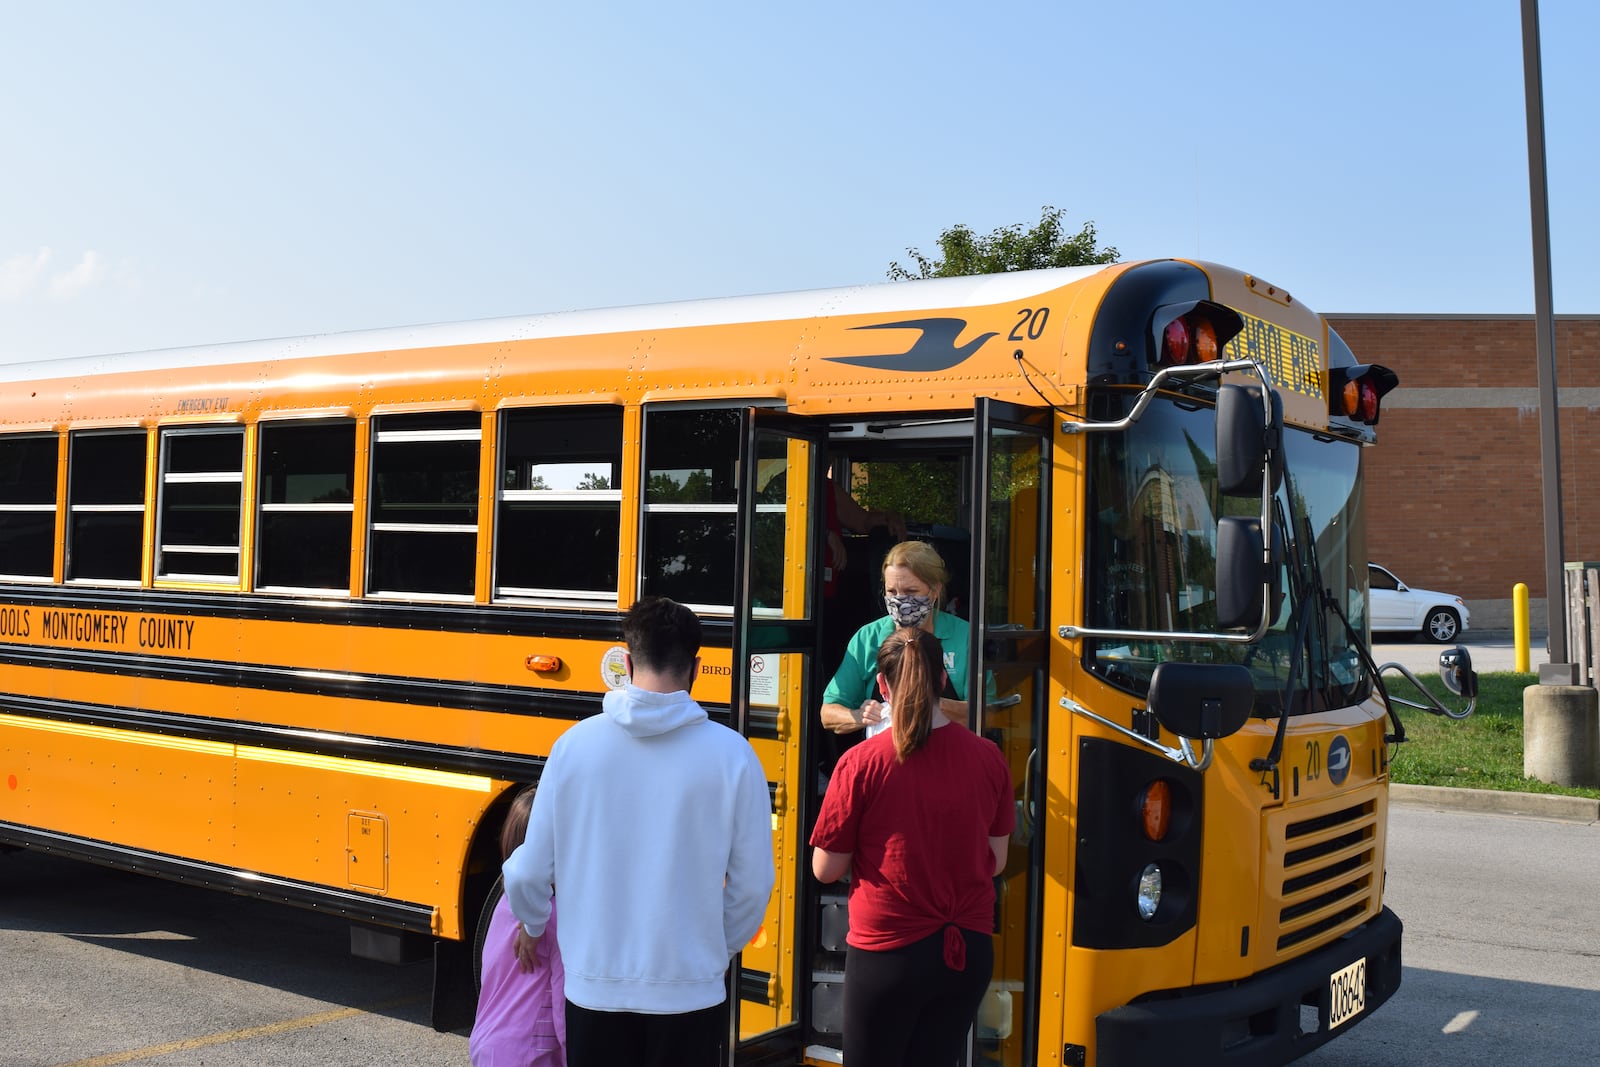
(521, 1016)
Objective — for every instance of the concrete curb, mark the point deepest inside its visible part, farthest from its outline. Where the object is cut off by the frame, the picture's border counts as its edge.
(1497, 802)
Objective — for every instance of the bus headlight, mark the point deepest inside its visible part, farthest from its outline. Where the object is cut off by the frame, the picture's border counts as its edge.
(1149, 891)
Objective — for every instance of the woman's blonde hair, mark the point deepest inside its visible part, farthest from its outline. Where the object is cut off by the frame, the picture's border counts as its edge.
(911, 661)
(921, 559)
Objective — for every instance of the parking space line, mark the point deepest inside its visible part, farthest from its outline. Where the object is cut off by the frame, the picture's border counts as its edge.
(246, 1034)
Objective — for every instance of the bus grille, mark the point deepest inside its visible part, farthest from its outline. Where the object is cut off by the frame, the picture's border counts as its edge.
(1323, 864)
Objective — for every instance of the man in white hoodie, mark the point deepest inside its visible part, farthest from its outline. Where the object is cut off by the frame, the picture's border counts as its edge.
(654, 826)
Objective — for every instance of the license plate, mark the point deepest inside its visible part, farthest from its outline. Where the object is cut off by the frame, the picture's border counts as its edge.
(1347, 993)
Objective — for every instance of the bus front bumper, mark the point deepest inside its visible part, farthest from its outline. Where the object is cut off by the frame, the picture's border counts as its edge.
(1257, 1022)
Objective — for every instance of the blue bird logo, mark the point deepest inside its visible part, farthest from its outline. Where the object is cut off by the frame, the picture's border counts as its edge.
(934, 349)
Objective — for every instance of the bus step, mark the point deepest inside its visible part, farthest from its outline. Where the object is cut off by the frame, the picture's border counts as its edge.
(833, 924)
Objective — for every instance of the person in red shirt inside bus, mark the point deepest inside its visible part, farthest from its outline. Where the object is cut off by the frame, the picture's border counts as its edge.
(845, 514)
(920, 816)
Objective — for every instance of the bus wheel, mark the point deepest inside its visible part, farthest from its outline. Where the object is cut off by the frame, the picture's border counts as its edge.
(496, 891)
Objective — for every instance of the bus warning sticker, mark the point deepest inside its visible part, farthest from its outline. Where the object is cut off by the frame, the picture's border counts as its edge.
(614, 667)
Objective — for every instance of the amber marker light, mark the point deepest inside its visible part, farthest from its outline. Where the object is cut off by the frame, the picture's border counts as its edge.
(544, 664)
(1350, 400)
(1155, 809)
(1205, 341)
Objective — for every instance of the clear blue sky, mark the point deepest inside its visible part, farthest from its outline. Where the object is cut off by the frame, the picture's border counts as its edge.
(178, 173)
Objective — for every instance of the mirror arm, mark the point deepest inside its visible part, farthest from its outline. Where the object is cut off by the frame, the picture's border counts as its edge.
(1157, 380)
(1434, 705)
(1184, 753)
(1203, 370)
(1231, 638)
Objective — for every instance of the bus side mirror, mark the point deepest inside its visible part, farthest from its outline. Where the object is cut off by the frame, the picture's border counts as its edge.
(1245, 439)
(1241, 573)
(1201, 700)
(1455, 670)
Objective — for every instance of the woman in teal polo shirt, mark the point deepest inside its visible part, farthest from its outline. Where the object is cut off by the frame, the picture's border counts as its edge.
(914, 580)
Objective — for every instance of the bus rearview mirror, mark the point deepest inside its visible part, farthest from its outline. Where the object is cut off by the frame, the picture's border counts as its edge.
(1246, 440)
(1242, 572)
(1201, 700)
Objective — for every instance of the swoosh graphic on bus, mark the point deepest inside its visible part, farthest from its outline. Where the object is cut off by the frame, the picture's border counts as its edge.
(934, 349)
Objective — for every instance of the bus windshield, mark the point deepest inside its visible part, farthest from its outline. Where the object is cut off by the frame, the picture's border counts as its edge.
(1152, 541)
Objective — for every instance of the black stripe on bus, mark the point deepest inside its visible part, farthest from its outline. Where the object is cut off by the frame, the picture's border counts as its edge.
(392, 689)
(755, 986)
(509, 620)
(349, 904)
(507, 766)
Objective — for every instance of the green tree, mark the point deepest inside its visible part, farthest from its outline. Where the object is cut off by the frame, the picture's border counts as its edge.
(1006, 249)
(927, 490)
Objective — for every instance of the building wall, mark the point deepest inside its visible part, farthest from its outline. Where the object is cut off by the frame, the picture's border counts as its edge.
(1455, 497)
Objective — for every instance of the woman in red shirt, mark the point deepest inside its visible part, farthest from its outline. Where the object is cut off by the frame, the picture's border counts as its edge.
(920, 815)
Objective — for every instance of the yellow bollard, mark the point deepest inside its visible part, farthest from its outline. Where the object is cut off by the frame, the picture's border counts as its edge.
(1519, 625)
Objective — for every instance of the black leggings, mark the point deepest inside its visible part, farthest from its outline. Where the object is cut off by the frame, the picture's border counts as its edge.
(615, 1038)
(905, 1007)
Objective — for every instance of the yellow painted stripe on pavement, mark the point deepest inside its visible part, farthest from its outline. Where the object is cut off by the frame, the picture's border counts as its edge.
(305, 1022)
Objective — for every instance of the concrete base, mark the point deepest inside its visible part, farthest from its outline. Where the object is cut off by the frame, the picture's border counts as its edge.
(1561, 734)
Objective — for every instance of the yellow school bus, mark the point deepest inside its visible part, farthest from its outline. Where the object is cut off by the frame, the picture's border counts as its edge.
(296, 618)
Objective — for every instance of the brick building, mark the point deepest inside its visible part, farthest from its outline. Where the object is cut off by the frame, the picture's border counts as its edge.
(1455, 496)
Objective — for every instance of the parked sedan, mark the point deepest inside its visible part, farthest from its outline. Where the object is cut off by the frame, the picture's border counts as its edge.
(1394, 607)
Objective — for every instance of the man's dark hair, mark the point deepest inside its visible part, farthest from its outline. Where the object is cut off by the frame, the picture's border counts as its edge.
(662, 635)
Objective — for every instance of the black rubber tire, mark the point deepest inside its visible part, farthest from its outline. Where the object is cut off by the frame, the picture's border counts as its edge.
(485, 916)
(1441, 626)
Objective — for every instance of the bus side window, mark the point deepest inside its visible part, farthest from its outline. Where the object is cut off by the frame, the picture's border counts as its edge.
(200, 498)
(105, 506)
(306, 501)
(690, 505)
(423, 507)
(28, 506)
(559, 513)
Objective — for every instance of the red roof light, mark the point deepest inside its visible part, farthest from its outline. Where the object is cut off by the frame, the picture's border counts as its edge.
(1175, 343)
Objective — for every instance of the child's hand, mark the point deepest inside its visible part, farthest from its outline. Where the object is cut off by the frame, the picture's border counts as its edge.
(526, 947)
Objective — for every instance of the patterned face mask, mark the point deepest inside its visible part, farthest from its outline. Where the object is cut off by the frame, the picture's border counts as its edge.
(908, 610)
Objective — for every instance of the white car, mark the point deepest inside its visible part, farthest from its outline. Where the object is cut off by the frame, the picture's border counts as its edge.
(1393, 606)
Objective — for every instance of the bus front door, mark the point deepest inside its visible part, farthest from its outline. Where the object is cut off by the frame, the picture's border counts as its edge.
(775, 637)
(1010, 583)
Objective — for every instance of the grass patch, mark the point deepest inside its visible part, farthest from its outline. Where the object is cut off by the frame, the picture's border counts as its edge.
(1482, 751)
